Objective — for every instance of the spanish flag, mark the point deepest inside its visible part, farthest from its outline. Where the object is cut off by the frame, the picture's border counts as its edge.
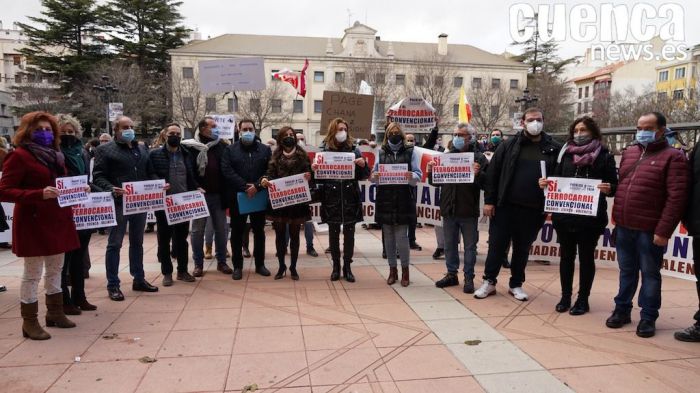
(465, 110)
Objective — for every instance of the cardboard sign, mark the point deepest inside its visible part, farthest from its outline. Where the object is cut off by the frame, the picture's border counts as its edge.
(335, 166)
(226, 125)
(242, 74)
(356, 109)
(453, 168)
(392, 174)
(185, 206)
(412, 114)
(572, 195)
(71, 190)
(144, 196)
(97, 212)
(287, 191)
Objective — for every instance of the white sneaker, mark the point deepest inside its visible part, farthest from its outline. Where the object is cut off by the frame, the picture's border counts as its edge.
(487, 289)
(518, 293)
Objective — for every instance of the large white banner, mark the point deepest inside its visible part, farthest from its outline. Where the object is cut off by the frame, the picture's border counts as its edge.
(226, 75)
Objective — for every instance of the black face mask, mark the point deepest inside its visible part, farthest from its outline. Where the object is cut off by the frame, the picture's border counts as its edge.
(395, 139)
(174, 140)
(289, 141)
(68, 140)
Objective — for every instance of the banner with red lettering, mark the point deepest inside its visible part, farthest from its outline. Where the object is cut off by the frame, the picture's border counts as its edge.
(390, 174)
(97, 212)
(287, 191)
(144, 196)
(71, 190)
(412, 114)
(185, 206)
(453, 168)
(334, 166)
(572, 195)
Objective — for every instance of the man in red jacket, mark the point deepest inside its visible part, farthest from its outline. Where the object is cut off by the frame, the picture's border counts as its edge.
(649, 204)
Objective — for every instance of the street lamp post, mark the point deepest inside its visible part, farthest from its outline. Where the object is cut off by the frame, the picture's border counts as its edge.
(526, 100)
(106, 88)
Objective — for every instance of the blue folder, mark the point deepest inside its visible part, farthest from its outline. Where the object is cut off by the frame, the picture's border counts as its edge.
(257, 203)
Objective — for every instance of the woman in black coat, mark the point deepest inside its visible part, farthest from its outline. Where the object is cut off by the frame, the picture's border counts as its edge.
(287, 160)
(583, 156)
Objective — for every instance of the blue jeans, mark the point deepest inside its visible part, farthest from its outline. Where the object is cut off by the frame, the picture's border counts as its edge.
(452, 227)
(137, 224)
(396, 240)
(636, 251)
(218, 218)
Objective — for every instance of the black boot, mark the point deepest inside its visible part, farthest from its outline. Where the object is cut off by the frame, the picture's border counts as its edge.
(618, 319)
(335, 274)
(564, 303)
(580, 307)
(281, 272)
(347, 273)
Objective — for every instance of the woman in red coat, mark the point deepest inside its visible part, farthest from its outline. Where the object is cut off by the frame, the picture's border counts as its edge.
(42, 231)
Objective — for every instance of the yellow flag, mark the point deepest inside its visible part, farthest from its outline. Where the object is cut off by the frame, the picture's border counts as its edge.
(465, 112)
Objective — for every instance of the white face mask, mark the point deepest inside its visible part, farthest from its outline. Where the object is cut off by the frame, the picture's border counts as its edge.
(301, 143)
(341, 136)
(534, 128)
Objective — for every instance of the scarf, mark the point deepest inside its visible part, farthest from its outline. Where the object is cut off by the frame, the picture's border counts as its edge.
(585, 155)
(48, 157)
(202, 157)
(74, 157)
(291, 152)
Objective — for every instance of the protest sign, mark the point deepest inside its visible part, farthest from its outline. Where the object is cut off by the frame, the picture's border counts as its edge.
(412, 114)
(225, 75)
(9, 208)
(144, 196)
(453, 168)
(71, 190)
(287, 191)
(356, 109)
(116, 109)
(572, 196)
(335, 166)
(226, 125)
(185, 206)
(392, 174)
(97, 212)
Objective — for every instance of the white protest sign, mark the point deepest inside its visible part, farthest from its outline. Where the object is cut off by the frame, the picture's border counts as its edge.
(392, 174)
(572, 196)
(225, 75)
(9, 208)
(454, 168)
(71, 190)
(226, 125)
(97, 212)
(412, 114)
(144, 196)
(185, 206)
(334, 166)
(116, 109)
(287, 191)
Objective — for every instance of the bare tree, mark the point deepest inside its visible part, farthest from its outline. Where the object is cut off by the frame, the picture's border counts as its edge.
(432, 80)
(265, 107)
(189, 103)
(553, 98)
(624, 109)
(491, 105)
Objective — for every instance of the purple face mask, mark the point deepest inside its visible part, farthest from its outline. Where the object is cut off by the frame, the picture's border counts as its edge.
(43, 137)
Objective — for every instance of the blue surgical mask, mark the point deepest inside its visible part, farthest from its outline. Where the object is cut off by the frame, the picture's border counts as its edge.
(247, 137)
(645, 137)
(458, 142)
(215, 132)
(128, 135)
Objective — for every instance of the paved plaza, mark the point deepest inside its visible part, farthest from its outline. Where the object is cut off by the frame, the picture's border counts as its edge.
(314, 335)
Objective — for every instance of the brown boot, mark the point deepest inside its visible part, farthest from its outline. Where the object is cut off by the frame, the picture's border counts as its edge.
(404, 276)
(30, 326)
(393, 276)
(54, 312)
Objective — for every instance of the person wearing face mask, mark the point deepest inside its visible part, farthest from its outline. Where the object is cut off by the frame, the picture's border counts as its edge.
(117, 162)
(514, 201)
(309, 225)
(42, 231)
(289, 160)
(77, 164)
(173, 163)
(243, 164)
(583, 156)
(649, 204)
(207, 151)
(340, 200)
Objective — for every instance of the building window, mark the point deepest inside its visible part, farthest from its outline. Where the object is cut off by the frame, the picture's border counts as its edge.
(400, 79)
(232, 105)
(188, 72)
(680, 73)
(254, 104)
(298, 106)
(276, 106)
(339, 77)
(319, 76)
(578, 110)
(210, 104)
(476, 83)
(663, 76)
(457, 81)
(455, 110)
(514, 84)
(439, 80)
(187, 103)
(585, 107)
(379, 79)
(662, 96)
(16, 60)
(495, 83)
(420, 80)
(495, 110)
(359, 77)
(580, 92)
(678, 94)
(587, 91)
(318, 106)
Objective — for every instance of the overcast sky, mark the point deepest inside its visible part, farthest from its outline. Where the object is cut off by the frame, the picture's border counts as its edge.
(484, 24)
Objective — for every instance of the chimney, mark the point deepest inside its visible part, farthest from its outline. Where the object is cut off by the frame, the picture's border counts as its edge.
(442, 44)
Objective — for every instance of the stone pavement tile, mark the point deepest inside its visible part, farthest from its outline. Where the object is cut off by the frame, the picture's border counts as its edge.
(417, 277)
(271, 297)
(491, 357)
(300, 389)
(7, 344)
(269, 316)
(374, 296)
(59, 350)
(528, 381)
(197, 343)
(136, 322)
(158, 303)
(219, 298)
(319, 337)
(186, 374)
(324, 297)
(344, 365)
(425, 362)
(494, 306)
(375, 313)
(223, 318)
(456, 331)
(364, 387)
(590, 323)
(627, 347)
(125, 346)
(267, 370)
(268, 340)
(11, 327)
(30, 379)
(89, 322)
(531, 326)
(104, 304)
(565, 352)
(422, 294)
(442, 385)
(395, 334)
(444, 309)
(327, 315)
(540, 303)
(104, 377)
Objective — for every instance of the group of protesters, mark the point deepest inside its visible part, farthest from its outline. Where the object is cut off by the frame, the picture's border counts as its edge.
(654, 190)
